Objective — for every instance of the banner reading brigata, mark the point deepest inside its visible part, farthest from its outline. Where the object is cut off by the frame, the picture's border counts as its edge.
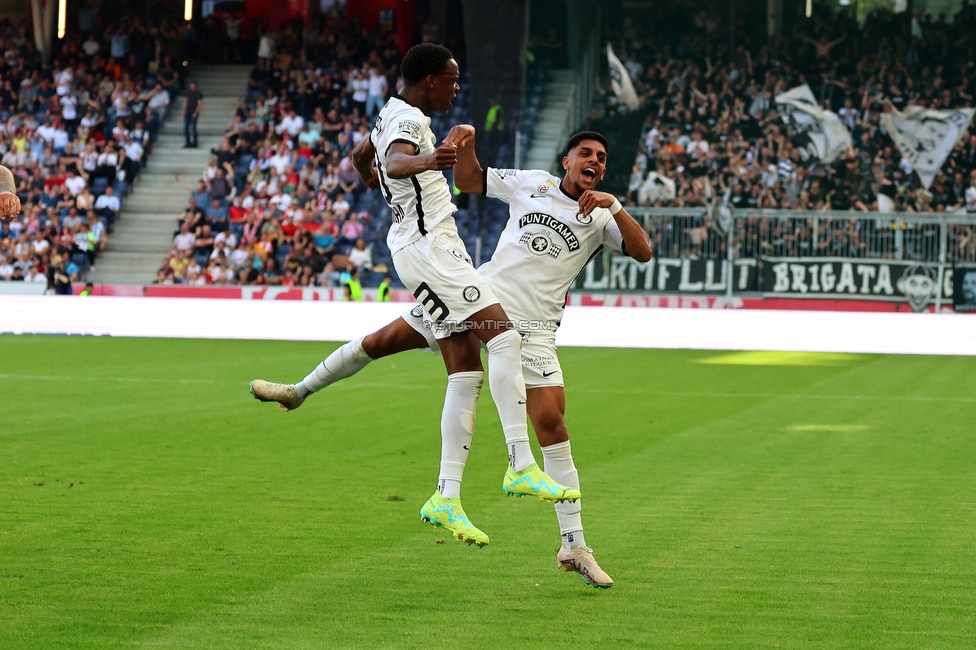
(829, 277)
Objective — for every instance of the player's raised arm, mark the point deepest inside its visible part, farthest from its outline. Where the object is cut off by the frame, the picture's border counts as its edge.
(635, 240)
(9, 201)
(468, 175)
(403, 159)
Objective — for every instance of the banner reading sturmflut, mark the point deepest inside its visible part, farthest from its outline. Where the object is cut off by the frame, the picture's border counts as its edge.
(926, 136)
(819, 134)
(620, 82)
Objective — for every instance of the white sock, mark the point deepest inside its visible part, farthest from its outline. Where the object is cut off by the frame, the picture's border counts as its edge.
(457, 428)
(344, 362)
(560, 466)
(508, 391)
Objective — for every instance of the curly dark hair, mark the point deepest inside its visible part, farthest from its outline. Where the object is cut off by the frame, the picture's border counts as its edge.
(424, 60)
(586, 135)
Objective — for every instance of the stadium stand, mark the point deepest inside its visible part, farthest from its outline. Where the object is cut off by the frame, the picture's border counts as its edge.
(279, 202)
(705, 116)
(76, 130)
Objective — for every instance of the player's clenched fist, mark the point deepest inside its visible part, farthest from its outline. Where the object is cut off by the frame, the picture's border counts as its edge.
(460, 134)
(9, 205)
(592, 199)
(444, 156)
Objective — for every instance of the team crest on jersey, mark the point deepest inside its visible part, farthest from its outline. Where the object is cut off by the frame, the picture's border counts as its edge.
(471, 293)
(540, 243)
(585, 219)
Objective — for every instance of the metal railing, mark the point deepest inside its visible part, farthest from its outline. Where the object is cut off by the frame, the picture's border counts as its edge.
(932, 238)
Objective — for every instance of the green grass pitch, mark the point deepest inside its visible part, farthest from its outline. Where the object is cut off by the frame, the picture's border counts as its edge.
(751, 500)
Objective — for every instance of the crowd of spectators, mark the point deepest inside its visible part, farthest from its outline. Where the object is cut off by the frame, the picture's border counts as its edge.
(712, 118)
(280, 201)
(75, 130)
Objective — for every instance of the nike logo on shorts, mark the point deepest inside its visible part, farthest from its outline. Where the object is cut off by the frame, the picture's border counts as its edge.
(552, 372)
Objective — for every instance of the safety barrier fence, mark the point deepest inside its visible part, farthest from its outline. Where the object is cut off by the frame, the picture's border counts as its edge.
(921, 259)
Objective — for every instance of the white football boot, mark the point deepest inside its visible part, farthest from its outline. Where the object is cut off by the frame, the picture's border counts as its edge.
(284, 394)
(582, 562)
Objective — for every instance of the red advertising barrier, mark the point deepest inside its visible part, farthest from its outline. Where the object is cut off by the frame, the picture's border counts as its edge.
(661, 301)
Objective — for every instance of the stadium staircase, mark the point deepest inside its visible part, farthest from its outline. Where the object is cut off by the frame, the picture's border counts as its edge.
(549, 121)
(144, 232)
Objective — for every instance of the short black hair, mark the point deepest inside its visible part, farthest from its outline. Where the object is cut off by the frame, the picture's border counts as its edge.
(587, 135)
(424, 60)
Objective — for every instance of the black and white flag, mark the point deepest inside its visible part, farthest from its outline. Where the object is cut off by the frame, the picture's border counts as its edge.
(620, 82)
(819, 134)
(926, 136)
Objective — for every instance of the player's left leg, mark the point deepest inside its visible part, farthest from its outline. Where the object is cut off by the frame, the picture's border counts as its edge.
(346, 361)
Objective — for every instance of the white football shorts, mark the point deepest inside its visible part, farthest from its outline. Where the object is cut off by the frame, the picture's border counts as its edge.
(438, 271)
(540, 363)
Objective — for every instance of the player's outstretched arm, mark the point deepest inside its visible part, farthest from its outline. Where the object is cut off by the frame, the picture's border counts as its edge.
(9, 201)
(635, 240)
(403, 160)
(468, 175)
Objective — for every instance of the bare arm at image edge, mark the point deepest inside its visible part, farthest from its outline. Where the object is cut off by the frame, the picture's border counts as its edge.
(9, 201)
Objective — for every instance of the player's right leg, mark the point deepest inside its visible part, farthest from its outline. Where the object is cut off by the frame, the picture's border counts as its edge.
(462, 358)
(398, 336)
(547, 408)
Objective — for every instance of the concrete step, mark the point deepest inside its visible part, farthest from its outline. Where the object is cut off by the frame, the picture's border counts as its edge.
(177, 167)
(172, 207)
(189, 156)
(147, 245)
(144, 222)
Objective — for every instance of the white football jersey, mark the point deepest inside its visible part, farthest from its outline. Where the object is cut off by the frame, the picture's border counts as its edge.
(545, 245)
(420, 202)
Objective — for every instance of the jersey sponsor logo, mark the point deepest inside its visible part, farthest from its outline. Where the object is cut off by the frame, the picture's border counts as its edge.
(431, 303)
(409, 127)
(541, 244)
(471, 293)
(544, 188)
(378, 127)
(553, 224)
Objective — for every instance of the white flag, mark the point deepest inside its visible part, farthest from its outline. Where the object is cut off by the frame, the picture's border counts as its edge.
(656, 188)
(926, 136)
(819, 134)
(620, 82)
